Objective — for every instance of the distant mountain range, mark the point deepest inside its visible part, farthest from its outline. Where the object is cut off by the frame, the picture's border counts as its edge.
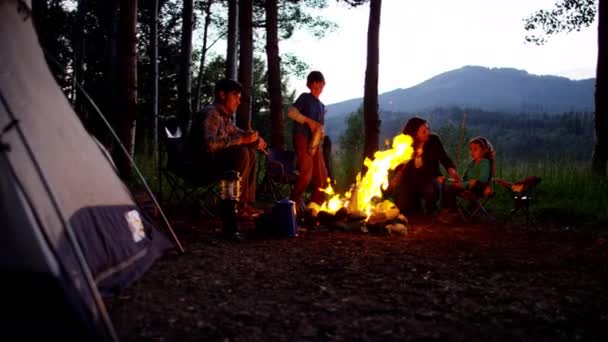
(504, 90)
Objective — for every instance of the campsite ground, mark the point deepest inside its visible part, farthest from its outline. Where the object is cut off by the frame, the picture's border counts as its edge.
(462, 282)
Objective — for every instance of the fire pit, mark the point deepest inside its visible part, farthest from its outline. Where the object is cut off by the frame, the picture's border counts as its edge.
(363, 205)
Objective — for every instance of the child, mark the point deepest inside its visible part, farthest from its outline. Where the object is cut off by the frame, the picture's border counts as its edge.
(475, 179)
(308, 112)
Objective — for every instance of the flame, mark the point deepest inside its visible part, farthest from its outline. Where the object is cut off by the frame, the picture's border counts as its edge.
(370, 185)
(334, 203)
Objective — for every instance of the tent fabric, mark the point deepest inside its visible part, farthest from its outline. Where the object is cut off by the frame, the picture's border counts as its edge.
(38, 297)
(113, 267)
(61, 176)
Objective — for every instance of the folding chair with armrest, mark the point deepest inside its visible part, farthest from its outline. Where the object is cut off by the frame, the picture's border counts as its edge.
(280, 174)
(473, 203)
(182, 177)
(522, 192)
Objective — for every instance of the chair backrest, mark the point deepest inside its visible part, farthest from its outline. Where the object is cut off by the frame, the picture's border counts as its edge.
(525, 185)
(174, 143)
(286, 158)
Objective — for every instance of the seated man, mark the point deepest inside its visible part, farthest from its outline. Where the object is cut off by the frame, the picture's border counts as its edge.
(217, 145)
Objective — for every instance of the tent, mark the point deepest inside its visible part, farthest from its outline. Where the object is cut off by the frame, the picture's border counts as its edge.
(70, 230)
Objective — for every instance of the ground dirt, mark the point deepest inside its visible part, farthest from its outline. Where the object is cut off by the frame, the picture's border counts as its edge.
(463, 282)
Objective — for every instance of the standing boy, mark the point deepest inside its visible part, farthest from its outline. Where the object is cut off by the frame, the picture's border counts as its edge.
(308, 112)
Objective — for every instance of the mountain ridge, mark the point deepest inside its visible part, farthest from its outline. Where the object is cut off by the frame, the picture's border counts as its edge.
(491, 89)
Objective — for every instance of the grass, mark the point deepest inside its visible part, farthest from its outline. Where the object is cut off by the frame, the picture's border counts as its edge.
(568, 191)
(149, 169)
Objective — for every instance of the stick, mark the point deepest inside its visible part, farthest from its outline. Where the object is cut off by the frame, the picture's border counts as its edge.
(461, 137)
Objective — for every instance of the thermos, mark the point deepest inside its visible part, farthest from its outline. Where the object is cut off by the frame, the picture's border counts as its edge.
(230, 192)
(284, 213)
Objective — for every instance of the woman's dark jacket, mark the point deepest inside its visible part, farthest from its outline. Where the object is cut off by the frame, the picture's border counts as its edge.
(433, 153)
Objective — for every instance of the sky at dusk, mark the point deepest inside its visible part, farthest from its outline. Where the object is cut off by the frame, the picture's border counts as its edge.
(420, 39)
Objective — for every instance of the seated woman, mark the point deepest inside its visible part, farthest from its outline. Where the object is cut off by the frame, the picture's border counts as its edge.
(420, 178)
(476, 178)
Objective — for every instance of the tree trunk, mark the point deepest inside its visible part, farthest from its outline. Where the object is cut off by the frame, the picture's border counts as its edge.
(184, 85)
(111, 93)
(39, 9)
(127, 84)
(154, 61)
(274, 74)
(233, 35)
(600, 149)
(78, 50)
(243, 114)
(370, 98)
(201, 68)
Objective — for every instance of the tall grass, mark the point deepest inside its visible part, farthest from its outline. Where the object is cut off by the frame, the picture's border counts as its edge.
(568, 190)
(148, 166)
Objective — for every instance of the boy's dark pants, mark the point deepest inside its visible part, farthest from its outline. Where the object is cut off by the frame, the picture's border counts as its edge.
(311, 169)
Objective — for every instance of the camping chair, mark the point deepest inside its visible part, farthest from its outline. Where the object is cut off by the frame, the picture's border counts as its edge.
(280, 174)
(472, 204)
(522, 193)
(178, 171)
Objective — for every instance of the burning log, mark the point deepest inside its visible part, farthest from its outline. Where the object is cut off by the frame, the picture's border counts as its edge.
(342, 214)
(326, 219)
(342, 220)
(385, 219)
(356, 216)
(381, 225)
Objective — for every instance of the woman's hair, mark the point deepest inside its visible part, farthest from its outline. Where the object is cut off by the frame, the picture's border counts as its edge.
(412, 126)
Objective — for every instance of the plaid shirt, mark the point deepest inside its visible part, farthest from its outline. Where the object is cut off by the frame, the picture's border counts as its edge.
(213, 129)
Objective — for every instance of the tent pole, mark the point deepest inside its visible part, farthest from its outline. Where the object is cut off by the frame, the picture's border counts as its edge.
(132, 162)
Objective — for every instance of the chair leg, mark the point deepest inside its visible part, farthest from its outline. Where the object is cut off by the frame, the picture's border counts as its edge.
(529, 219)
(464, 215)
(208, 200)
(521, 207)
(475, 210)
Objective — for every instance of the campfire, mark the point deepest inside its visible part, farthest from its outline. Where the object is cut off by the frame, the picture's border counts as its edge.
(364, 201)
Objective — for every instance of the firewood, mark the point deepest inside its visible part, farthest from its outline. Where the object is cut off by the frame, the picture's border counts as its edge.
(342, 214)
(325, 218)
(377, 218)
(397, 228)
(357, 216)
